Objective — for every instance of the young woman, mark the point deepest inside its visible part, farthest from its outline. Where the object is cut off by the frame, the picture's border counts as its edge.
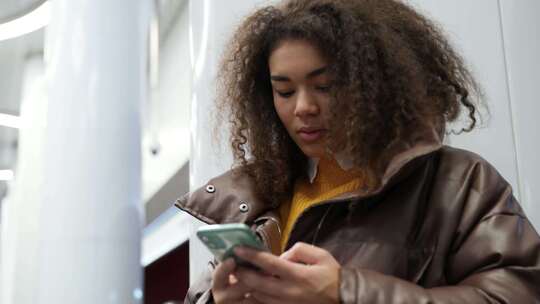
(339, 109)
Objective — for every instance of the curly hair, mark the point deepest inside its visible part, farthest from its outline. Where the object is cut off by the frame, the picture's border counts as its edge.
(392, 72)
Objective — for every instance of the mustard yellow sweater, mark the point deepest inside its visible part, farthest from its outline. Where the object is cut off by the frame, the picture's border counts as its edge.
(331, 181)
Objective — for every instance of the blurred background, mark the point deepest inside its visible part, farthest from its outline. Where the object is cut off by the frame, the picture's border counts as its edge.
(105, 120)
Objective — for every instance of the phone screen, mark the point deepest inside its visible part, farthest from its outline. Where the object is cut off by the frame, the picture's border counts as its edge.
(221, 239)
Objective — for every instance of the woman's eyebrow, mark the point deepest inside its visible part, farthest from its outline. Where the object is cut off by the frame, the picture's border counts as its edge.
(309, 75)
(316, 72)
(279, 78)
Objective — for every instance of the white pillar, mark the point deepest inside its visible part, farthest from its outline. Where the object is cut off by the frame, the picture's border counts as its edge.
(90, 211)
(21, 209)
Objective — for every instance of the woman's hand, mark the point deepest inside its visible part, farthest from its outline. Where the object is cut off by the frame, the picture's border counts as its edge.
(226, 288)
(303, 274)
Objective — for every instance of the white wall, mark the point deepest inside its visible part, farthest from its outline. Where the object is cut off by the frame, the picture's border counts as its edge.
(167, 114)
(167, 124)
(520, 26)
(494, 37)
(210, 29)
(473, 27)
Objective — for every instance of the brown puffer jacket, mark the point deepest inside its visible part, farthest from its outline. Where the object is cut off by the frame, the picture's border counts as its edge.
(443, 227)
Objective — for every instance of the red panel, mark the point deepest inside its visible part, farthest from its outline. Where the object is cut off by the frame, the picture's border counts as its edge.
(167, 279)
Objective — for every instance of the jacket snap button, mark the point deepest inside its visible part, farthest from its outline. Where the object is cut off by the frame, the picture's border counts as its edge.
(244, 207)
(210, 189)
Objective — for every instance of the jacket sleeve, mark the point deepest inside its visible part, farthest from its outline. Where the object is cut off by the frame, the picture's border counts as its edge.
(494, 258)
(201, 291)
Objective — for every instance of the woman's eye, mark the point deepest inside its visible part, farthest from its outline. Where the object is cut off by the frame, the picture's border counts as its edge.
(285, 94)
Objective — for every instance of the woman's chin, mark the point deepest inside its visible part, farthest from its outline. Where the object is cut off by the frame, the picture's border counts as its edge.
(313, 153)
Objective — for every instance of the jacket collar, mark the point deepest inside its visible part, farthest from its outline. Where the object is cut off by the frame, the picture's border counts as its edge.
(230, 197)
(402, 157)
(227, 198)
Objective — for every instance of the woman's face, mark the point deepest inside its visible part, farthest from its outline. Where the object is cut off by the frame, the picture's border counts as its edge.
(300, 85)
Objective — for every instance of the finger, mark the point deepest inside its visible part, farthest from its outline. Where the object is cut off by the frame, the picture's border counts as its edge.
(305, 254)
(251, 300)
(220, 278)
(235, 293)
(268, 262)
(259, 282)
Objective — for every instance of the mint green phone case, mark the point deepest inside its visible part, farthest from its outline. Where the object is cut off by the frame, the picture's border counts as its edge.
(221, 239)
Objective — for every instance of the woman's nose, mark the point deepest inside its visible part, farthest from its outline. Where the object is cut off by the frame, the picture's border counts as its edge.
(306, 104)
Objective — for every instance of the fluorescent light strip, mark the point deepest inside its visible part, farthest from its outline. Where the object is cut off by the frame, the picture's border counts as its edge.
(28, 23)
(6, 175)
(11, 121)
(170, 230)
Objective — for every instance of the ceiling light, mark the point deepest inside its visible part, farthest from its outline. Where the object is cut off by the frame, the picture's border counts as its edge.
(11, 121)
(28, 23)
(6, 175)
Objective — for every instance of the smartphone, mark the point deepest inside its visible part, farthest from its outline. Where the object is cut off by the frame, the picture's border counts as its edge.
(221, 239)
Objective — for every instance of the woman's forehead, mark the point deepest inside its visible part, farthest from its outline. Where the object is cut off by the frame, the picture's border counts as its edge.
(296, 56)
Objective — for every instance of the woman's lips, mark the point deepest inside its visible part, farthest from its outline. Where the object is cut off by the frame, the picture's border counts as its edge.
(311, 135)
